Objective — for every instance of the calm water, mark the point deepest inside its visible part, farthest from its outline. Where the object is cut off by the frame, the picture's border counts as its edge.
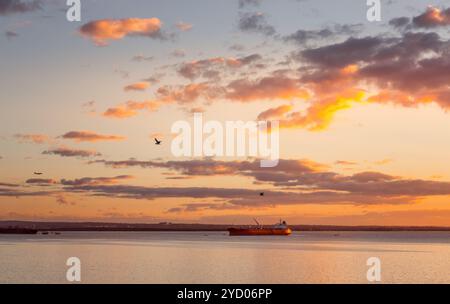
(214, 257)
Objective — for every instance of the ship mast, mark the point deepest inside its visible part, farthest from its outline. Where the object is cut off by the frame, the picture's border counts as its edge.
(257, 223)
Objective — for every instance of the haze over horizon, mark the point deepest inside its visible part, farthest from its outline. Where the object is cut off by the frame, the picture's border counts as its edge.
(363, 110)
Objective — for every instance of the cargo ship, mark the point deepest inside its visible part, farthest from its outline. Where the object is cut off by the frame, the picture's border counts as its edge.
(280, 228)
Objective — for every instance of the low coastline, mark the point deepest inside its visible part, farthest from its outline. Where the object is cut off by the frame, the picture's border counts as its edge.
(99, 226)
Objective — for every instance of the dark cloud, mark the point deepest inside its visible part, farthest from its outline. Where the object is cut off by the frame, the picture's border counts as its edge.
(301, 36)
(194, 207)
(154, 78)
(291, 182)
(89, 104)
(141, 58)
(432, 18)
(21, 193)
(62, 200)
(300, 175)
(206, 167)
(141, 192)
(8, 185)
(255, 23)
(122, 73)
(41, 181)
(178, 53)
(391, 187)
(95, 180)
(8, 7)
(409, 69)
(248, 59)
(419, 63)
(400, 23)
(69, 152)
(271, 87)
(11, 35)
(352, 50)
(237, 47)
(232, 198)
(246, 3)
(406, 70)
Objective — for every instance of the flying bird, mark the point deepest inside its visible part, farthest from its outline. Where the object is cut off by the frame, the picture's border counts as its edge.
(37, 173)
(157, 142)
(261, 194)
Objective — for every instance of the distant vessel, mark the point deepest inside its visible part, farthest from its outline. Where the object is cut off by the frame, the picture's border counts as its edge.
(17, 231)
(278, 229)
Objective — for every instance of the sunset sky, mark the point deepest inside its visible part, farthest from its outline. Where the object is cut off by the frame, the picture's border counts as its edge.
(363, 110)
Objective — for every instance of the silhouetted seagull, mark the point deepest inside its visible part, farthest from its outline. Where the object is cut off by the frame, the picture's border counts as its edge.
(157, 142)
(261, 194)
(37, 173)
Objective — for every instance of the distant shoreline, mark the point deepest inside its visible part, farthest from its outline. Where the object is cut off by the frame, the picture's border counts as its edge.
(123, 227)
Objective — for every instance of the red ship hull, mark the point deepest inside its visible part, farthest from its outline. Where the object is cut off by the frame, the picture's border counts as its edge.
(259, 231)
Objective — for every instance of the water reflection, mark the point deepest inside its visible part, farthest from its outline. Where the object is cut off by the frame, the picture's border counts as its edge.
(161, 257)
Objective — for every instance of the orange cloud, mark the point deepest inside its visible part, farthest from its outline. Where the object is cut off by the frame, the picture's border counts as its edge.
(345, 163)
(89, 136)
(144, 105)
(337, 75)
(403, 98)
(240, 90)
(131, 108)
(350, 69)
(100, 31)
(138, 86)
(320, 114)
(119, 112)
(383, 161)
(33, 138)
(332, 78)
(433, 17)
